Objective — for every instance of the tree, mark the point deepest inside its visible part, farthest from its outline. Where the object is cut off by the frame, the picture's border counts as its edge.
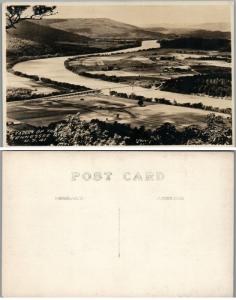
(17, 13)
(140, 102)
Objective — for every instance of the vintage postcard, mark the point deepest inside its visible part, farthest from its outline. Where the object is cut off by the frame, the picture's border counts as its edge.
(121, 73)
(114, 223)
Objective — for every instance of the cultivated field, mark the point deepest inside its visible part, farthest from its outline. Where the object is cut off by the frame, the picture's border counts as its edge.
(106, 108)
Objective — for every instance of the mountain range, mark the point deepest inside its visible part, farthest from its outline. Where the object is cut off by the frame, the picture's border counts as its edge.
(99, 28)
(50, 36)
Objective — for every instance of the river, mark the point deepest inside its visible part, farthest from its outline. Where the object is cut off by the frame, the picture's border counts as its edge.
(54, 69)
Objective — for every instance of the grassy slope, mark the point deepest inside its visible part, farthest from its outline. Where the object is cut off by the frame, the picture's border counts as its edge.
(51, 36)
(100, 28)
(31, 38)
(34, 31)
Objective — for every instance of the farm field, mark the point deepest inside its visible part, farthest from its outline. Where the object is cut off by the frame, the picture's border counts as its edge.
(105, 108)
(56, 71)
(151, 69)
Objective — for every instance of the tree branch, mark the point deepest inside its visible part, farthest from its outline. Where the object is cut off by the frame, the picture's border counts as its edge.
(14, 14)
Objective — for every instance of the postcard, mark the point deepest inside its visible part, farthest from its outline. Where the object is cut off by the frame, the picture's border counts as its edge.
(109, 223)
(123, 73)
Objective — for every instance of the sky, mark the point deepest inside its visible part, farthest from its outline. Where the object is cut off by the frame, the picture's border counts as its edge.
(151, 15)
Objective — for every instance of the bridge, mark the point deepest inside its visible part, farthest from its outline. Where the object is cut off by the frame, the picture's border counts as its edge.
(81, 93)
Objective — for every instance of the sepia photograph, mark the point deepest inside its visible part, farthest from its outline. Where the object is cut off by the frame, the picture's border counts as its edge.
(123, 73)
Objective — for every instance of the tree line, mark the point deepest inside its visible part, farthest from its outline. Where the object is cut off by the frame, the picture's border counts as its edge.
(197, 43)
(141, 101)
(73, 131)
(212, 84)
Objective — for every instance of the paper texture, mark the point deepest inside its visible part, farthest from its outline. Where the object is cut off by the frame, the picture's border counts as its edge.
(117, 223)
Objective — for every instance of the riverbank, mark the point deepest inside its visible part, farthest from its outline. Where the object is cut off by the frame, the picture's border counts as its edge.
(23, 80)
(54, 69)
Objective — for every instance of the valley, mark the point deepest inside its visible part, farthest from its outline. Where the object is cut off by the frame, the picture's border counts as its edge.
(135, 81)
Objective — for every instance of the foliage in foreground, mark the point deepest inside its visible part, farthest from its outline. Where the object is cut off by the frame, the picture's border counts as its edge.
(73, 131)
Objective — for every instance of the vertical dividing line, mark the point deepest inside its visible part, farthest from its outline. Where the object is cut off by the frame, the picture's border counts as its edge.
(1, 221)
(234, 261)
(119, 232)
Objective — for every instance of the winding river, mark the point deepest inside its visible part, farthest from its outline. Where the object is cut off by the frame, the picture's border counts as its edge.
(54, 69)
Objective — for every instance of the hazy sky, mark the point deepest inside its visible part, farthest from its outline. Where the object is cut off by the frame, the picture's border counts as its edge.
(180, 15)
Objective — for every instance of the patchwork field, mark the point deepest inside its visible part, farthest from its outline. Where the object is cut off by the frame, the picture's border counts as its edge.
(106, 108)
(152, 68)
(170, 62)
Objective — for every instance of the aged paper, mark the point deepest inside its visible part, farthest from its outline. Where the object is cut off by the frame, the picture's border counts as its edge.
(117, 223)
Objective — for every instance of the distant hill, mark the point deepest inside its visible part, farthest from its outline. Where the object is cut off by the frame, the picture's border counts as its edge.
(100, 28)
(31, 38)
(171, 27)
(34, 31)
(72, 36)
(220, 26)
(188, 32)
(162, 30)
